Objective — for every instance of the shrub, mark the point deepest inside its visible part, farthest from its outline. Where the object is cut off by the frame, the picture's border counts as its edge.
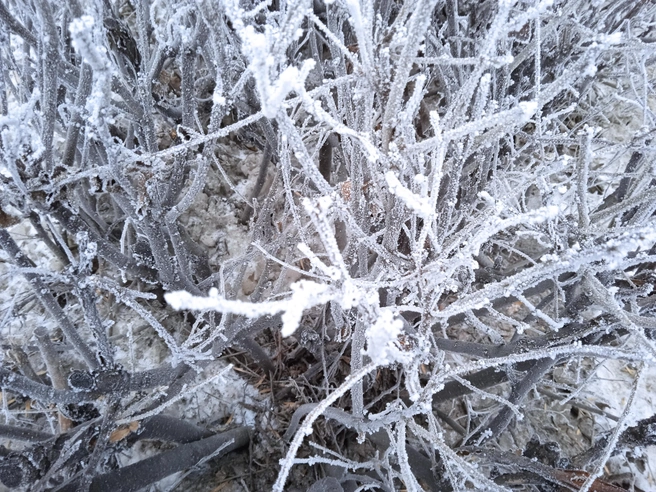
(446, 208)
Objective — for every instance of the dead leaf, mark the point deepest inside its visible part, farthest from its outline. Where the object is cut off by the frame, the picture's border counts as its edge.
(577, 478)
(123, 431)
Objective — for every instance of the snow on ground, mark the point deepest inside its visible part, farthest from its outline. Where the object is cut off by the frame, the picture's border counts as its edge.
(612, 385)
(213, 220)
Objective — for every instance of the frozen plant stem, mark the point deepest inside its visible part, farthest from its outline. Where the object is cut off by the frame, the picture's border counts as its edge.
(51, 358)
(306, 428)
(259, 184)
(417, 25)
(583, 167)
(47, 299)
(617, 432)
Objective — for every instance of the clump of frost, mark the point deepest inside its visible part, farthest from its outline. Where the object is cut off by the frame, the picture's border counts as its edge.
(383, 343)
(304, 295)
(83, 40)
(414, 202)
